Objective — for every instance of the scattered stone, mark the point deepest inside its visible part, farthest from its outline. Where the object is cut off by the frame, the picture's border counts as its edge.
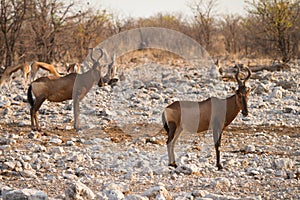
(10, 165)
(283, 163)
(186, 169)
(113, 186)
(68, 127)
(250, 149)
(223, 197)
(18, 98)
(70, 143)
(200, 193)
(58, 150)
(280, 173)
(4, 141)
(221, 184)
(135, 197)
(28, 173)
(4, 102)
(253, 172)
(277, 93)
(34, 135)
(56, 141)
(78, 191)
(261, 88)
(114, 194)
(157, 192)
(30, 194)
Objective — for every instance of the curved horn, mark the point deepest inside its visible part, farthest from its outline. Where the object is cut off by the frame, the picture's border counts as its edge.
(92, 50)
(237, 75)
(101, 54)
(249, 74)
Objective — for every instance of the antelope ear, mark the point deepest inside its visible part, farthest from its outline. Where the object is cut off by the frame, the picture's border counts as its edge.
(99, 67)
(217, 62)
(252, 88)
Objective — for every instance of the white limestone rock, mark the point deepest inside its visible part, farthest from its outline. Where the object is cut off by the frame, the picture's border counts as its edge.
(78, 191)
(157, 192)
(30, 194)
(283, 163)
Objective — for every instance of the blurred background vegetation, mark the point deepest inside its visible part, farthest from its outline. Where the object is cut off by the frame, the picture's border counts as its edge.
(57, 31)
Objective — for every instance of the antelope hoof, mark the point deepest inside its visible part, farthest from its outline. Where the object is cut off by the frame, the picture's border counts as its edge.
(78, 129)
(173, 165)
(35, 129)
(220, 167)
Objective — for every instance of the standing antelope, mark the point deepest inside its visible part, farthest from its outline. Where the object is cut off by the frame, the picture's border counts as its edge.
(72, 86)
(213, 113)
(37, 65)
(25, 68)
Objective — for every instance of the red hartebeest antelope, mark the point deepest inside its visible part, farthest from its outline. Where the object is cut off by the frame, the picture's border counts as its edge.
(72, 86)
(212, 114)
(25, 68)
(41, 65)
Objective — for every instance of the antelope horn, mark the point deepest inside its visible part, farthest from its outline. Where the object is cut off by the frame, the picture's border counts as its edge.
(237, 75)
(249, 74)
(101, 54)
(92, 50)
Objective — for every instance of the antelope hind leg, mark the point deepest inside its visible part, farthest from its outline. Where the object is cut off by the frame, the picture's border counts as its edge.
(32, 118)
(173, 135)
(217, 140)
(34, 113)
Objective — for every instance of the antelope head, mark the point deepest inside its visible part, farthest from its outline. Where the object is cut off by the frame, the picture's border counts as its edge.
(111, 76)
(243, 91)
(96, 63)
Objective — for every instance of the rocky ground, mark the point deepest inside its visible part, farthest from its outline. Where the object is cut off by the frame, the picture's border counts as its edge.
(121, 153)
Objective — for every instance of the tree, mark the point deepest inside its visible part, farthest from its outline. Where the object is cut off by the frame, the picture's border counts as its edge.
(12, 13)
(232, 30)
(278, 19)
(93, 28)
(204, 21)
(48, 19)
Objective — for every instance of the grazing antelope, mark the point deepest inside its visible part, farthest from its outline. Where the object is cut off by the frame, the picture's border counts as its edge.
(25, 68)
(72, 86)
(37, 65)
(212, 114)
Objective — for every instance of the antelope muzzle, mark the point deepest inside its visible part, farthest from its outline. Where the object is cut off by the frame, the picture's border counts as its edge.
(245, 108)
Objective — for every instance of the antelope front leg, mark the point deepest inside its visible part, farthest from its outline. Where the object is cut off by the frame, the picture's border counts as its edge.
(36, 121)
(171, 154)
(76, 114)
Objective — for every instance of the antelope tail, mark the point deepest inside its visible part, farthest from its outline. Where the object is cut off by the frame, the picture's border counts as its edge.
(29, 96)
(165, 122)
